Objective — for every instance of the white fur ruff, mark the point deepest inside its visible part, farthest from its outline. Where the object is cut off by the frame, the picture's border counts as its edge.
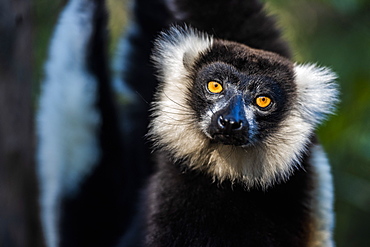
(67, 121)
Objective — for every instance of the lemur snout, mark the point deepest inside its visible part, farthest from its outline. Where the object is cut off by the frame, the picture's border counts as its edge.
(228, 124)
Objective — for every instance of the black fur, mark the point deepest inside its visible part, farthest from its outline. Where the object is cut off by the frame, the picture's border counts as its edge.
(187, 208)
(150, 17)
(242, 21)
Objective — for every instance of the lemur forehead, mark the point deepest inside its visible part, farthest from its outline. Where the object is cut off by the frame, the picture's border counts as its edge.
(231, 78)
(245, 58)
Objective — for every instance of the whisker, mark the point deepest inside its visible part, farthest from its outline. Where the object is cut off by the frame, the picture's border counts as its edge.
(178, 113)
(174, 101)
(231, 151)
(174, 108)
(179, 123)
(142, 97)
(174, 119)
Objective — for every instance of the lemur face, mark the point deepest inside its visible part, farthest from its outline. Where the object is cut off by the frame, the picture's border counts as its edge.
(242, 98)
(235, 112)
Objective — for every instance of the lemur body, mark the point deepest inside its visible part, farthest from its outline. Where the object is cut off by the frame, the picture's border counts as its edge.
(186, 208)
(239, 164)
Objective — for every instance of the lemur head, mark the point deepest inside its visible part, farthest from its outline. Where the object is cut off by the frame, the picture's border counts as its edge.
(234, 112)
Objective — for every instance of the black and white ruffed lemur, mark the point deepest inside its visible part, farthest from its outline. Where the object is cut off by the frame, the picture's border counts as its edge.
(233, 126)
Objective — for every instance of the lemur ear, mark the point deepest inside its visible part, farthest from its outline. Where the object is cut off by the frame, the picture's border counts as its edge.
(177, 49)
(317, 92)
(188, 60)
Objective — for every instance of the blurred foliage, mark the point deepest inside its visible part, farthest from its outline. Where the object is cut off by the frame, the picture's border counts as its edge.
(333, 33)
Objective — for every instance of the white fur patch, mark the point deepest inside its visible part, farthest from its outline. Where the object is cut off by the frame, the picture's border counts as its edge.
(317, 94)
(175, 127)
(322, 205)
(67, 120)
(173, 47)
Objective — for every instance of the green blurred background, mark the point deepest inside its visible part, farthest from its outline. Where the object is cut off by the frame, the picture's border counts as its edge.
(333, 33)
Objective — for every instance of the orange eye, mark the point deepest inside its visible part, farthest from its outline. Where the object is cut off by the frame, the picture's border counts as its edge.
(214, 87)
(263, 101)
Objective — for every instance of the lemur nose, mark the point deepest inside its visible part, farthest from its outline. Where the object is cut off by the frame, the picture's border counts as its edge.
(229, 124)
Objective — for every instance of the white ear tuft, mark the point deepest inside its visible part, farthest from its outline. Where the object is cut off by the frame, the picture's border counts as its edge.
(177, 48)
(317, 92)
